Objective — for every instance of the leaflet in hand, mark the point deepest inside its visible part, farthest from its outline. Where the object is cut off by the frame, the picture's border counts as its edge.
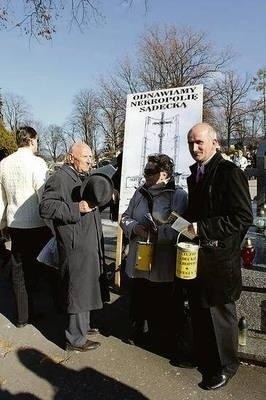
(181, 225)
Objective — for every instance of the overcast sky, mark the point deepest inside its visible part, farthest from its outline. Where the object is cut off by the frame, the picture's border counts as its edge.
(49, 74)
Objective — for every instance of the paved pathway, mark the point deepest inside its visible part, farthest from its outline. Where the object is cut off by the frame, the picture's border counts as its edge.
(33, 364)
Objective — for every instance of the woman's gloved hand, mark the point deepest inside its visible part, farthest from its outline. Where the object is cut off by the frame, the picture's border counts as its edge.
(141, 231)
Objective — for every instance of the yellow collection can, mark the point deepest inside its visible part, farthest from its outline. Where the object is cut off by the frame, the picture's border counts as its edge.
(144, 256)
(186, 260)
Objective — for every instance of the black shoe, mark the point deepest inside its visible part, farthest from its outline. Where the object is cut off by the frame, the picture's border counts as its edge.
(21, 324)
(139, 333)
(93, 331)
(89, 345)
(37, 317)
(215, 382)
(140, 339)
(184, 364)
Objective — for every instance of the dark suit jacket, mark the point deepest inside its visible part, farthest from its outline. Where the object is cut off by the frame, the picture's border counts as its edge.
(221, 206)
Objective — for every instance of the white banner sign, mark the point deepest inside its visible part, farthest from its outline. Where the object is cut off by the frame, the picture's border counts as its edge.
(158, 122)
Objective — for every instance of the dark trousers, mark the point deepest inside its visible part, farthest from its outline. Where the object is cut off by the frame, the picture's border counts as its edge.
(78, 326)
(154, 302)
(25, 247)
(151, 301)
(215, 334)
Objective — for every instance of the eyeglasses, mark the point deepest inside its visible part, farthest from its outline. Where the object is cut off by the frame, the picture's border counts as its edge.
(151, 171)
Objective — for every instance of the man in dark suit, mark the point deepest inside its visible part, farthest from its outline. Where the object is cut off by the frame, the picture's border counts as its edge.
(220, 212)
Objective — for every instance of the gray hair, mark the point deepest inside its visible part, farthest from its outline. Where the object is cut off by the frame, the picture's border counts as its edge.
(211, 132)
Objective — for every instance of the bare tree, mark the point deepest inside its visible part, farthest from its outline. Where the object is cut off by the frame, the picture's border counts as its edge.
(41, 130)
(84, 118)
(259, 82)
(250, 126)
(111, 105)
(128, 76)
(230, 101)
(70, 130)
(40, 17)
(55, 142)
(254, 120)
(171, 58)
(16, 111)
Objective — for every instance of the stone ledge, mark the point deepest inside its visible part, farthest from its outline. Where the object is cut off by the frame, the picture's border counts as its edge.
(255, 350)
(255, 277)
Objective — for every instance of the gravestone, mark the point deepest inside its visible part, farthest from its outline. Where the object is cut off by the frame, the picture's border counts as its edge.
(252, 302)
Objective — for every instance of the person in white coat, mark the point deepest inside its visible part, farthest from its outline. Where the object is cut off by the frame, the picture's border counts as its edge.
(22, 178)
(239, 160)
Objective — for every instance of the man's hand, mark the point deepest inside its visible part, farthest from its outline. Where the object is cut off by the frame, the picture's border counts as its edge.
(141, 231)
(192, 229)
(85, 208)
(115, 196)
(5, 233)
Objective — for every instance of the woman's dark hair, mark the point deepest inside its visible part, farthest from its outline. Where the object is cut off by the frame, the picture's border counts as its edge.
(3, 153)
(164, 163)
(24, 134)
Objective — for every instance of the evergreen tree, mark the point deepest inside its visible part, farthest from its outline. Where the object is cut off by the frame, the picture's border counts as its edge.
(7, 139)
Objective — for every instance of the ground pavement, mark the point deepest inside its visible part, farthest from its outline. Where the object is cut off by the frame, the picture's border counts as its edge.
(33, 364)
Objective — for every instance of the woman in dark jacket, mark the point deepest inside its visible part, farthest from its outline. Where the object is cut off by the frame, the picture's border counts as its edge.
(152, 291)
